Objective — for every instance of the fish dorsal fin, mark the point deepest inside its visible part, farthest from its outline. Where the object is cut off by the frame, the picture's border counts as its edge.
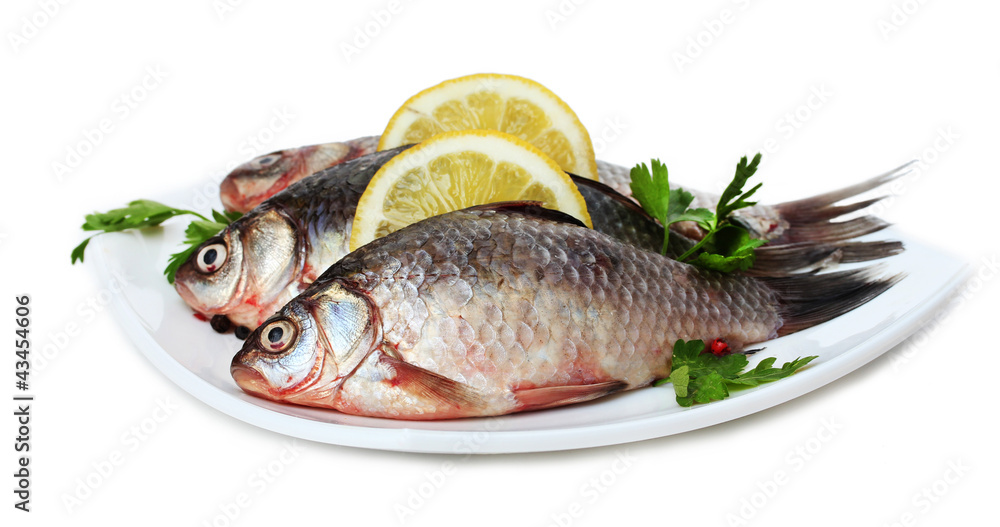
(529, 208)
(541, 398)
(611, 193)
(429, 385)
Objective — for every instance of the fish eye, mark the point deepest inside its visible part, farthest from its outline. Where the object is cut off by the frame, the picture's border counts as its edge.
(277, 336)
(211, 257)
(267, 160)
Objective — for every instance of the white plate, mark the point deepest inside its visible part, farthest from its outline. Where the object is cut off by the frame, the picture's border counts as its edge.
(188, 352)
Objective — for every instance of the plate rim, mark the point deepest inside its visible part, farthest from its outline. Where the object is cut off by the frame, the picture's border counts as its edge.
(414, 440)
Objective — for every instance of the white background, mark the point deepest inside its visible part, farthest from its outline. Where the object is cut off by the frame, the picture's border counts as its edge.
(898, 87)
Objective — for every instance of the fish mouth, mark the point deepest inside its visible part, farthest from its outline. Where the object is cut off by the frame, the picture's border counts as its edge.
(187, 295)
(232, 198)
(249, 379)
(189, 298)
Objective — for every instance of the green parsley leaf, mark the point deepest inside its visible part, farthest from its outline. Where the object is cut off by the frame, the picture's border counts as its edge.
(701, 377)
(652, 190)
(731, 198)
(680, 200)
(77, 254)
(225, 217)
(705, 389)
(726, 247)
(691, 354)
(729, 249)
(680, 378)
(143, 213)
(138, 214)
(687, 352)
(764, 372)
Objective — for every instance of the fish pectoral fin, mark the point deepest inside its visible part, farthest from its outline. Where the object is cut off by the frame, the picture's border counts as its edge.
(552, 396)
(428, 384)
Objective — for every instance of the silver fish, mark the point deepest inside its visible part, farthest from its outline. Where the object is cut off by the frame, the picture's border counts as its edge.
(506, 308)
(252, 183)
(249, 184)
(265, 258)
(272, 253)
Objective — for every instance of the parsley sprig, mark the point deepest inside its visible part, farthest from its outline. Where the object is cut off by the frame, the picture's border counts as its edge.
(143, 213)
(726, 246)
(701, 377)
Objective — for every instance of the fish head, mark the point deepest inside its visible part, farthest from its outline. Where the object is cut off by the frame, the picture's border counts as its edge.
(243, 272)
(260, 178)
(264, 176)
(304, 352)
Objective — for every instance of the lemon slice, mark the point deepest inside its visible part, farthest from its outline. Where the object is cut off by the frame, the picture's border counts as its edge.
(455, 170)
(488, 101)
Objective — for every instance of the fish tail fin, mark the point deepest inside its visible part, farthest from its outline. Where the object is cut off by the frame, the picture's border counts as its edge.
(855, 252)
(823, 213)
(776, 260)
(807, 208)
(832, 231)
(811, 219)
(810, 299)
